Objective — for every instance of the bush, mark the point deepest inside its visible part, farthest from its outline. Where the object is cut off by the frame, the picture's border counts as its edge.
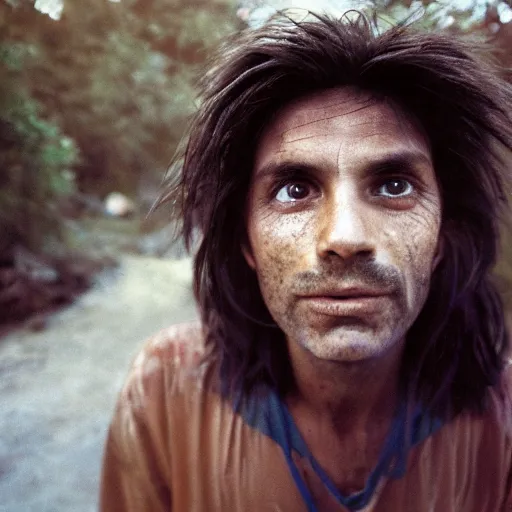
(35, 162)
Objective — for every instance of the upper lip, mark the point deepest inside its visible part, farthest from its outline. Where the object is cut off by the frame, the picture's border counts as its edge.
(346, 293)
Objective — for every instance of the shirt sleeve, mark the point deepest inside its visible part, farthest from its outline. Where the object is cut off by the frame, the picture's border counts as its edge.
(134, 474)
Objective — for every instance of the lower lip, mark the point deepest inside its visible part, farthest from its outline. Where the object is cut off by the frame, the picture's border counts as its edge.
(345, 306)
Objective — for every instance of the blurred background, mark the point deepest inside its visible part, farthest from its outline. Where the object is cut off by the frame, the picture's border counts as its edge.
(94, 98)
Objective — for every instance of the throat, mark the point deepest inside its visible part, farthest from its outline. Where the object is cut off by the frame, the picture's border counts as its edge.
(350, 464)
(348, 457)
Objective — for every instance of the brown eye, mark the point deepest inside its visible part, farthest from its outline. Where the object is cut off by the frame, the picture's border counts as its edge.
(396, 188)
(292, 192)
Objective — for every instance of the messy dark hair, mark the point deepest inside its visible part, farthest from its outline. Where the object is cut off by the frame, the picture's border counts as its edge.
(454, 91)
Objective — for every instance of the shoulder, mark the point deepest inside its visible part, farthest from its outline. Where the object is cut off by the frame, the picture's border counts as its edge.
(166, 385)
(171, 362)
(181, 346)
(159, 401)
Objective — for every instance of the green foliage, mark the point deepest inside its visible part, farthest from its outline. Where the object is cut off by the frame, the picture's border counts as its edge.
(118, 78)
(111, 82)
(35, 160)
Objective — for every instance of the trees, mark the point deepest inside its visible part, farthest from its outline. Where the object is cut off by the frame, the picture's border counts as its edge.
(109, 81)
(35, 156)
(118, 77)
(91, 102)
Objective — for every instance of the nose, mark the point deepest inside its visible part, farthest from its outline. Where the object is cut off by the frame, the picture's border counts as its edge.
(346, 229)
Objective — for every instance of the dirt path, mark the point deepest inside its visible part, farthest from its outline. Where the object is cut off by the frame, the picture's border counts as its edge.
(58, 386)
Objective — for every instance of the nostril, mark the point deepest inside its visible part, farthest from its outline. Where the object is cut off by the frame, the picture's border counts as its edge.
(362, 253)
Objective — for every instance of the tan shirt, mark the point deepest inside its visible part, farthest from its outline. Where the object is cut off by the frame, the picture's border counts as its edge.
(176, 444)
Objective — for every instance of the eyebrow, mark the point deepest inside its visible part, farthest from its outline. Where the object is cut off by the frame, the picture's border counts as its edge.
(403, 160)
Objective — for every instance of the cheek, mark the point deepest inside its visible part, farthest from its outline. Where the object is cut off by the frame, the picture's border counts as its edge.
(420, 254)
(280, 237)
(280, 247)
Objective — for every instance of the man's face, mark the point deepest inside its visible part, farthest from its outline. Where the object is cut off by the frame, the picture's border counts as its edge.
(343, 221)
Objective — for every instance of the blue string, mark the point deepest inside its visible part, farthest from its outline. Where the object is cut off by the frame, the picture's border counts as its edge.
(271, 417)
(352, 502)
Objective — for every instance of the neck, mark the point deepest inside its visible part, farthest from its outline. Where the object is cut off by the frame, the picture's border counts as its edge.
(347, 395)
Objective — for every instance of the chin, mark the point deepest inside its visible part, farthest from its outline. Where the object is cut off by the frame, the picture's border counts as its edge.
(349, 346)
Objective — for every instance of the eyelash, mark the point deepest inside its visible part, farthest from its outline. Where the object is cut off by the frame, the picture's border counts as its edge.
(391, 174)
(398, 178)
(289, 180)
(285, 181)
(294, 176)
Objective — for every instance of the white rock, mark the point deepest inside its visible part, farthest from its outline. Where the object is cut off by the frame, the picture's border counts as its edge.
(118, 205)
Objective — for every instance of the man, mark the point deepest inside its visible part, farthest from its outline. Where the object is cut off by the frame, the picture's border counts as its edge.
(351, 353)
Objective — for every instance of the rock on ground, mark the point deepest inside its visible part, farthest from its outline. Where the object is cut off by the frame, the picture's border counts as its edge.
(58, 386)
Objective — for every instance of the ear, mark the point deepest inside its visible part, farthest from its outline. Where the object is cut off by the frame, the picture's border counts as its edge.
(249, 258)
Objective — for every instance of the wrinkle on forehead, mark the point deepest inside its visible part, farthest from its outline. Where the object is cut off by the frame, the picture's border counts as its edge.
(356, 108)
(321, 99)
(362, 122)
(322, 119)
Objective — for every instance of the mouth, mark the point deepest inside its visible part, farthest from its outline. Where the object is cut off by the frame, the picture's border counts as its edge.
(347, 302)
(347, 293)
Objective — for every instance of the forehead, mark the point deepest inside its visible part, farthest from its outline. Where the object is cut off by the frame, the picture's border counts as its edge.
(343, 120)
